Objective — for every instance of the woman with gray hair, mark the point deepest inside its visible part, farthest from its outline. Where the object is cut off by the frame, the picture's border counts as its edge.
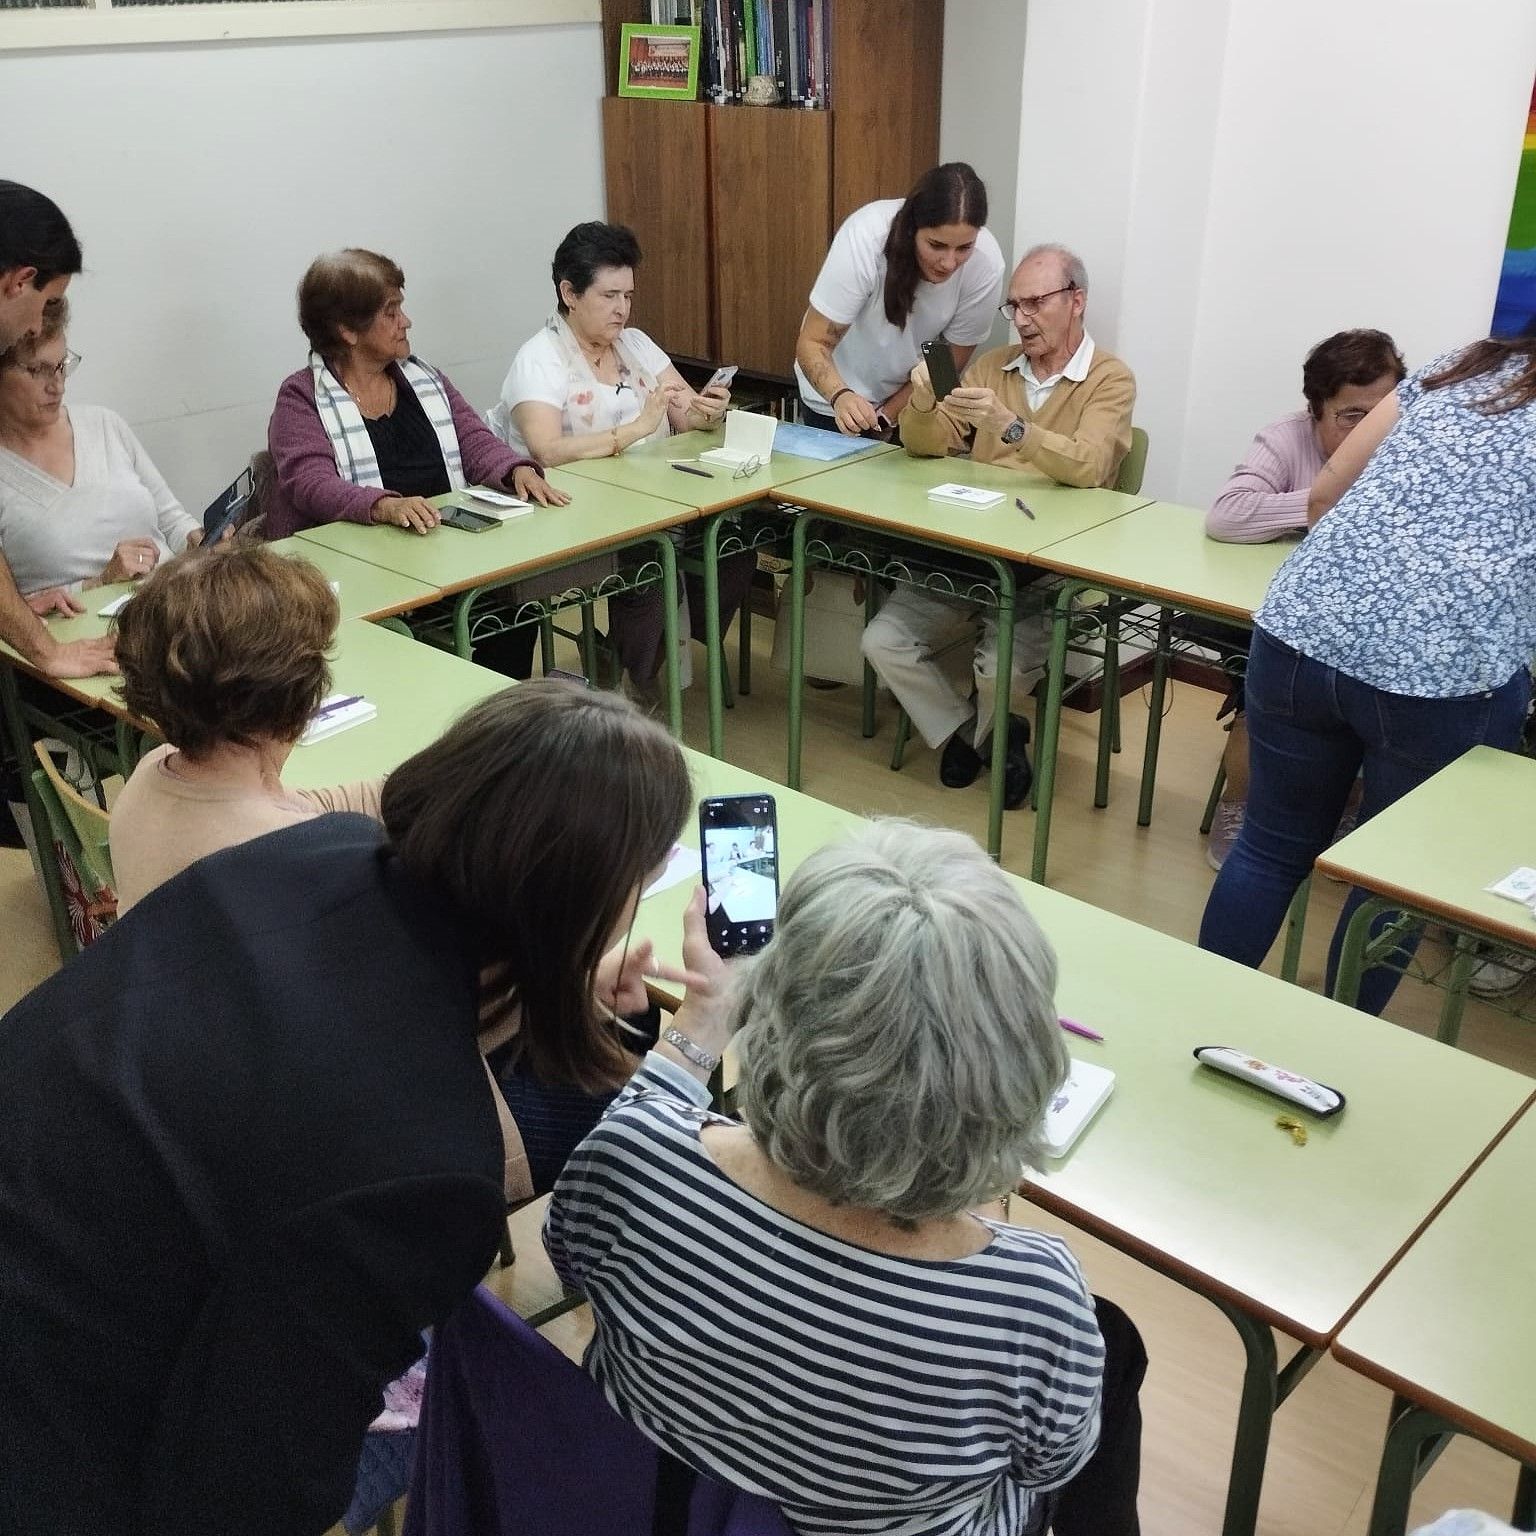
(809, 1305)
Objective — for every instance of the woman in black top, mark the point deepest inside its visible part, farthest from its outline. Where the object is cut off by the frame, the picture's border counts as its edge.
(250, 1147)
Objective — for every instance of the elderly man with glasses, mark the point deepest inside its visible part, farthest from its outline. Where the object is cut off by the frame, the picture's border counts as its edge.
(1052, 404)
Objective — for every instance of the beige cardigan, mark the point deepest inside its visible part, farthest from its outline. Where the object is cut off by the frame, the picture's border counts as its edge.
(1078, 437)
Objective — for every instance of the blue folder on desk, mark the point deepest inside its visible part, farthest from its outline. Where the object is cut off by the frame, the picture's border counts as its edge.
(815, 442)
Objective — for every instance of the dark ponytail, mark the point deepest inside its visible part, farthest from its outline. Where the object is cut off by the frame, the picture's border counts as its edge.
(948, 194)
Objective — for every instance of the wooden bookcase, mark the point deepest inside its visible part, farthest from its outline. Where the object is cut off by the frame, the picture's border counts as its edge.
(735, 206)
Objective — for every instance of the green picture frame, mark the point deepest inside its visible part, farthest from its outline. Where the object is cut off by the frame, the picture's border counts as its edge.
(658, 63)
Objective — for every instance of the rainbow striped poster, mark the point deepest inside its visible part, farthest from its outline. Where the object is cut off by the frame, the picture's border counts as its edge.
(1515, 307)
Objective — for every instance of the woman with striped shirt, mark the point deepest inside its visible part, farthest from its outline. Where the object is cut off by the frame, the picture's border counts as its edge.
(806, 1305)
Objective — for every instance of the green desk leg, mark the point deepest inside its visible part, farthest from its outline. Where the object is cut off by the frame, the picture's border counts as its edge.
(871, 597)
(796, 646)
(714, 645)
(1462, 961)
(1002, 691)
(1264, 1389)
(1050, 727)
(1155, 717)
(1415, 1438)
(1346, 985)
(21, 745)
(1109, 708)
(667, 553)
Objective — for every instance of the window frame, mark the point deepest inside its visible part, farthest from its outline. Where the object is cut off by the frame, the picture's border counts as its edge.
(101, 22)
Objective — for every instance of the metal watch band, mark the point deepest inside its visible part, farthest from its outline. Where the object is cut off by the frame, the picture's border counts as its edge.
(695, 1053)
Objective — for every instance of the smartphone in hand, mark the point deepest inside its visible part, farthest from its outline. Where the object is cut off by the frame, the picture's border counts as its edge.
(739, 841)
(722, 376)
(941, 368)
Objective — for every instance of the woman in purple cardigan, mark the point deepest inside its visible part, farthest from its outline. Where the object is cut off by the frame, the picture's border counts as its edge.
(368, 432)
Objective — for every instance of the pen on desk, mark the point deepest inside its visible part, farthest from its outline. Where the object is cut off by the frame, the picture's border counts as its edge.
(335, 704)
(1018, 501)
(1072, 1027)
(691, 469)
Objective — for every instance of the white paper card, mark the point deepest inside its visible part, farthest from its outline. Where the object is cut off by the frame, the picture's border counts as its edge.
(748, 436)
(682, 864)
(116, 606)
(964, 495)
(1076, 1103)
(1518, 885)
(338, 712)
(494, 498)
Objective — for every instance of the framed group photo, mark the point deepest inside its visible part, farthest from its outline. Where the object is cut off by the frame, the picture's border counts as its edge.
(659, 62)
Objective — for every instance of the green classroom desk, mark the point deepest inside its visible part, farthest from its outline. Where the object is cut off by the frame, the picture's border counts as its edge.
(647, 468)
(1431, 853)
(1159, 554)
(419, 690)
(1451, 1330)
(890, 493)
(600, 519)
(1185, 1169)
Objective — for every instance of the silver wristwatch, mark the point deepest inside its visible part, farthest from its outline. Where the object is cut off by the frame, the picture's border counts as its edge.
(695, 1053)
(1013, 431)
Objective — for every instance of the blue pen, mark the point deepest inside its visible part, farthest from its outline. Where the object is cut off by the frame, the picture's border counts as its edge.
(336, 704)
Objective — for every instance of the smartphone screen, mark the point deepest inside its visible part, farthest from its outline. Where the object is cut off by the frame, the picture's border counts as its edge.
(739, 841)
(941, 368)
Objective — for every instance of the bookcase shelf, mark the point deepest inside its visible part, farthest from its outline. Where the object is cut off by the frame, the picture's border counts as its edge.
(735, 205)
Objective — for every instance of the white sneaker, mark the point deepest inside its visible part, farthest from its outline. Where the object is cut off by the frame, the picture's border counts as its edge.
(1225, 825)
(1500, 972)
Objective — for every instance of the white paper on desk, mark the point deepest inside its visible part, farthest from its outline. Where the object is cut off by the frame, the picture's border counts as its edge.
(1518, 885)
(682, 864)
(116, 606)
(497, 504)
(1076, 1102)
(748, 436)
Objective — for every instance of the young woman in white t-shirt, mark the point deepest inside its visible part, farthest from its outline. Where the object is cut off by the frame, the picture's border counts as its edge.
(898, 274)
(588, 386)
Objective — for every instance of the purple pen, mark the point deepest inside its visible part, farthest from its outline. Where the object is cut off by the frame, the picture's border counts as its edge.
(335, 704)
(1072, 1027)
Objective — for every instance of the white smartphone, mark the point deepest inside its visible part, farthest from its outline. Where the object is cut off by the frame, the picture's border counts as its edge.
(722, 375)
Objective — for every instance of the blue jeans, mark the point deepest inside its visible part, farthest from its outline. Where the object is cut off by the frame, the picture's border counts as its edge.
(1311, 729)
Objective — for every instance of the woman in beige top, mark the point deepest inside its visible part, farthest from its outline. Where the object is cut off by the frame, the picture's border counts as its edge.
(225, 650)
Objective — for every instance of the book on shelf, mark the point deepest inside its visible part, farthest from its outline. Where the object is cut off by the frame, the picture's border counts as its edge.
(786, 40)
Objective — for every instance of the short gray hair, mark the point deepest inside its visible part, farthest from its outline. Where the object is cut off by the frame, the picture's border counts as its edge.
(899, 1040)
(1072, 266)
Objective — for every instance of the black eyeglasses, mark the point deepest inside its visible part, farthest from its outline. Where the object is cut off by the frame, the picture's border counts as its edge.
(1012, 308)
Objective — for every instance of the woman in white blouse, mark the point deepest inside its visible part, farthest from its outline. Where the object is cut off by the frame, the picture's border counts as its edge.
(81, 504)
(589, 385)
(899, 273)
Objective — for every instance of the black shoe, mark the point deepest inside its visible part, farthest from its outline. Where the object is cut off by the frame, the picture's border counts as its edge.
(1018, 775)
(960, 763)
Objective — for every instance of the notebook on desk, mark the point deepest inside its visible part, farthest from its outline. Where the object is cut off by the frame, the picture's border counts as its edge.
(1076, 1102)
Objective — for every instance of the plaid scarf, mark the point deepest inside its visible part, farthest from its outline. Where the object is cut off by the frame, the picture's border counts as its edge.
(344, 425)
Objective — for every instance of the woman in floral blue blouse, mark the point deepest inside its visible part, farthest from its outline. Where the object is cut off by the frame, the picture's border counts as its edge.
(1396, 637)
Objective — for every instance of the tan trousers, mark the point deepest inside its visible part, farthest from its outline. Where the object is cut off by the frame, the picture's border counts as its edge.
(918, 645)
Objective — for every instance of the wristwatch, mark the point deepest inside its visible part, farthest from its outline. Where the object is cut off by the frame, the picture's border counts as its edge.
(695, 1053)
(1013, 432)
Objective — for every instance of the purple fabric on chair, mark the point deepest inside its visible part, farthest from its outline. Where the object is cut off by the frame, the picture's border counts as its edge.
(517, 1440)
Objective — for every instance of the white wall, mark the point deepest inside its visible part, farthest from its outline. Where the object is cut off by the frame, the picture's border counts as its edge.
(981, 88)
(203, 178)
(1244, 177)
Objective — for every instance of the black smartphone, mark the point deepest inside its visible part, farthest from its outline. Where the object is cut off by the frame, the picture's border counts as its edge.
(941, 368)
(466, 520)
(739, 842)
(226, 507)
